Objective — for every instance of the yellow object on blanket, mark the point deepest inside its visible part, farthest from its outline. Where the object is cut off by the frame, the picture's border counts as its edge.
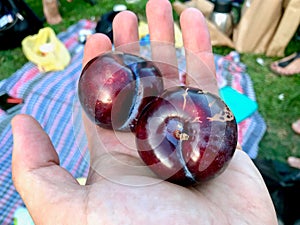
(143, 31)
(46, 50)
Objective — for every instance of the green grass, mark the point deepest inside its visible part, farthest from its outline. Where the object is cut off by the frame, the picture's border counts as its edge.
(279, 140)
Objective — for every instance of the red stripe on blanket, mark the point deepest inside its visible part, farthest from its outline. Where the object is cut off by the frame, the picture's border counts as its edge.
(28, 75)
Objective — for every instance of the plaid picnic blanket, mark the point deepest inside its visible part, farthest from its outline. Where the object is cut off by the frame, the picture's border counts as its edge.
(232, 72)
(51, 98)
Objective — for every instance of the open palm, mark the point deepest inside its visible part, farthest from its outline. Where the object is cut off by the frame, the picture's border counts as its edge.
(120, 189)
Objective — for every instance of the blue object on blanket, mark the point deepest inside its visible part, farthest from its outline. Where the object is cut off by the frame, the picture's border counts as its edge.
(241, 106)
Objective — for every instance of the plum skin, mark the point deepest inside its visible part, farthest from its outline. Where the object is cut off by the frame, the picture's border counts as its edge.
(186, 136)
(114, 87)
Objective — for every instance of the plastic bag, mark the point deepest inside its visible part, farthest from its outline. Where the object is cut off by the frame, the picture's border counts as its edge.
(46, 50)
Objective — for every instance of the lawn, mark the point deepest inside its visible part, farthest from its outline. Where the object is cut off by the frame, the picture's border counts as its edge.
(279, 141)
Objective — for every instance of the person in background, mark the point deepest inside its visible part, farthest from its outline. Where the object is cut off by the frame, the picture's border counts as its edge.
(51, 11)
(296, 126)
(289, 66)
(292, 160)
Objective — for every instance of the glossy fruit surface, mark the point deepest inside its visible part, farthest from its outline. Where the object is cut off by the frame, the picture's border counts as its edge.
(186, 135)
(115, 86)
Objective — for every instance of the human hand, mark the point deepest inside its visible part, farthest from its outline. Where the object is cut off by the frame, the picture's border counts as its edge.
(128, 192)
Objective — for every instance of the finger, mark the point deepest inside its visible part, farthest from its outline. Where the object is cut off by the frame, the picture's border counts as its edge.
(29, 137)
(160, 21)
(36, 173)
(199, 56)
(96, 44)
(126, 37)
(99, 140)
(161, 29)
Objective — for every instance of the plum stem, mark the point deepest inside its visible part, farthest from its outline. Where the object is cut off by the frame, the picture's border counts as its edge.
(181, 136)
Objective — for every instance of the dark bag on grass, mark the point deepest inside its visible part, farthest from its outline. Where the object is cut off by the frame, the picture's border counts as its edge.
(104, 25)
(17, 21)
(283, 183)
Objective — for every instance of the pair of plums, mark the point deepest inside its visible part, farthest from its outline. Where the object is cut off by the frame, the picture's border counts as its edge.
(184, 134)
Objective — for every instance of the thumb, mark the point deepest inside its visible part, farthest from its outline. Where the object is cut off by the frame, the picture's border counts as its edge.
(36, 173)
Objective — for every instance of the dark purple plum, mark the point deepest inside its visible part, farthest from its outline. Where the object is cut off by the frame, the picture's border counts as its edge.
(115, 86)
(186, 136)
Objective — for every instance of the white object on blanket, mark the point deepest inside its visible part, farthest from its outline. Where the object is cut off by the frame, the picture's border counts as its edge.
(22, 217)
(260, 61)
